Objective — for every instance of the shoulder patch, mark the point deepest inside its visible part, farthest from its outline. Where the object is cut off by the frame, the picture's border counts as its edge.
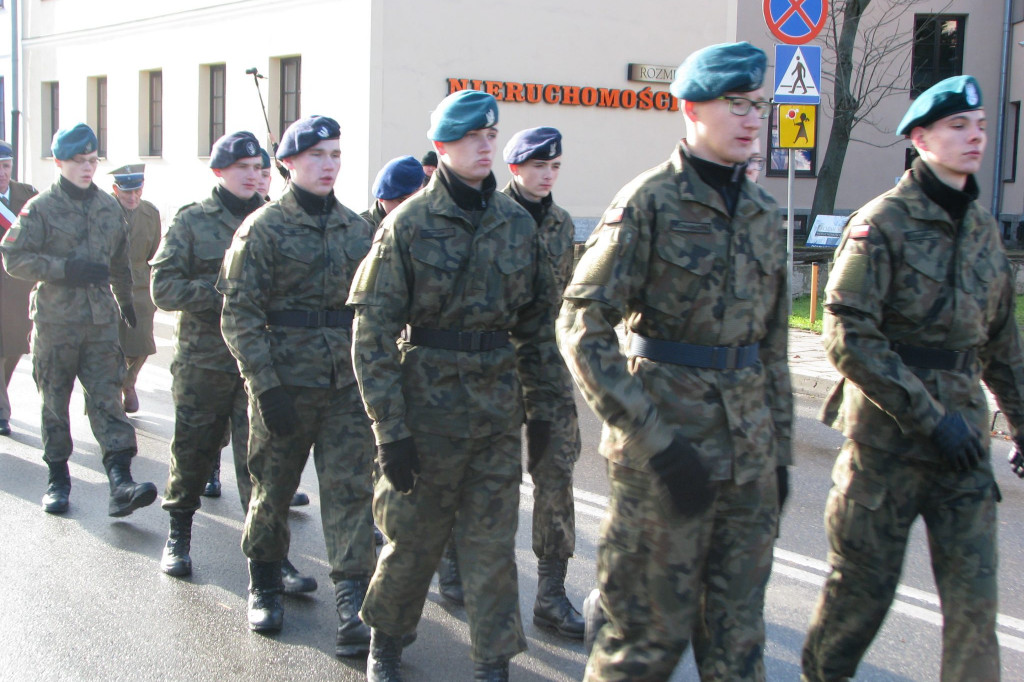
(613, 215)
(860, 231)
(28, 204)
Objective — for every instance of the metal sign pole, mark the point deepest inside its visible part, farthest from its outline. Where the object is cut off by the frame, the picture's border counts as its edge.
(789, 228)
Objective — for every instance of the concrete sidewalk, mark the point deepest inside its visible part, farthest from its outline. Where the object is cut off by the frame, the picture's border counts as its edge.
(813, 375)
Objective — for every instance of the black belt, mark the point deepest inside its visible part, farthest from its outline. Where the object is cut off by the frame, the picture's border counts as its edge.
(310, 318)
(455, 340)
(923, 357)
(691, 355)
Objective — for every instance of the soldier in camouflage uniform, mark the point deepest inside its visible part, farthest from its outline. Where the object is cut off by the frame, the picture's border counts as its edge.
(918, 310)
(143, 220)
(398, 180)
(285, 280)
(698, 419)
(73, 241)
(446, 401)
(207, 388)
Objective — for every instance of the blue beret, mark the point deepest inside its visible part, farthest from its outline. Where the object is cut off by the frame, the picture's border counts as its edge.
(78, 139)
(727, 67)
(945, 98)
(232, 147)
(307, 132)
(6, 150)
(130, 176)
(535, 143)
(265, 156)
(460, 112)
(398, 178)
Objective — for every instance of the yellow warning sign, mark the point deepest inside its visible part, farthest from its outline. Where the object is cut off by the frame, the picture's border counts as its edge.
(797, 126)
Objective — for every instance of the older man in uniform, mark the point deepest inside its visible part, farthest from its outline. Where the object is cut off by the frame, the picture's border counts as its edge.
(143, 221)
(284, 282)
(398, 180)
(14, 293)
(207, 387)
(697, 420)
(72, 240)
(457, 271)
(918, 311)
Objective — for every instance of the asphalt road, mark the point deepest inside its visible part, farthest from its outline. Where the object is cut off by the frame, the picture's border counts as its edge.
(87, 601)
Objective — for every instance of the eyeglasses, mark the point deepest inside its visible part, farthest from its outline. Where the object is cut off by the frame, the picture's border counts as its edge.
(740, 106)
(755, 163)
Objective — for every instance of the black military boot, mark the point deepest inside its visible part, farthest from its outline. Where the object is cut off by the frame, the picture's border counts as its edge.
(212, 488)
(384, 662)
(353, 633)
(175, 559)
(449, 582)
(266, 613)
(552, 609)
(125, 494)
(593, 619)
(293, 581)
(55, 501)
(493, 671)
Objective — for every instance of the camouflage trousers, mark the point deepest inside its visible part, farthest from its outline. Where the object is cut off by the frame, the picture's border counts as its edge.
(666, 579)
(470, 485)
(554, 512)
(205, 402)
(333, 423)
(60, 354)
(9, 364)
(875, 498)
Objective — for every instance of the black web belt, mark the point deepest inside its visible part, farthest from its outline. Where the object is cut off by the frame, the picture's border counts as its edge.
(310, 318)
(692, 355)
(923, 357)
(455, 340)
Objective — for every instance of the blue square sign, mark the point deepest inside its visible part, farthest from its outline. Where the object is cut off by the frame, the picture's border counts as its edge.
(797, 74)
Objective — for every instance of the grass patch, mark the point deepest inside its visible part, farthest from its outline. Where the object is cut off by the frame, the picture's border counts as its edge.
(800, 318)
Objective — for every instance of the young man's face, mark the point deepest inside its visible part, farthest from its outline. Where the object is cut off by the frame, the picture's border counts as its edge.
(315, 169)
(720, 136)
(242, 177)
(129, 198)
(471, 156)
(5, 174)
(953, 146)
(536, 178)
(264, 187)
(79, 169)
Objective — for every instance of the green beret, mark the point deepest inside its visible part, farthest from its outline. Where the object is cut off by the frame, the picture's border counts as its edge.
(727, 67)
(78, 139)
(945, 98)
(460, 112)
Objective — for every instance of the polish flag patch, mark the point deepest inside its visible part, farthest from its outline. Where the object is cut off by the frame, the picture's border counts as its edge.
(860, 231)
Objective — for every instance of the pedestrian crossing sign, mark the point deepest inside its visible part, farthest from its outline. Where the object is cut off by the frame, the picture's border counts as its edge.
(797, 74)
(796, 126)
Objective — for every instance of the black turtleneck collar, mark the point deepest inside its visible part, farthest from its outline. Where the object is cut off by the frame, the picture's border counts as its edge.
(313, 204)
(235, 205)
(952, 200)
(538, 209)
(464, 196)
(726, 180)
(76, 192)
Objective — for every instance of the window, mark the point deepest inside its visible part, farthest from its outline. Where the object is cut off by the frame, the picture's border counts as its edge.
(291, 68)
(778, 158)
(1011, 140)
(156, 113)
(212, 106)
(97, 112)
(51, 114)
(938, 49)
(3, 108)
(217, 79)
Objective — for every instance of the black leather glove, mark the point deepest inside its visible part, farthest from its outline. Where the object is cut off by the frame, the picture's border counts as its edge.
(399, 463)
(1017, 458)
(684, 476)
(958, 442)
(782, 474)
(538, 437)
(128, 316)
(278, 411)
(82, 272)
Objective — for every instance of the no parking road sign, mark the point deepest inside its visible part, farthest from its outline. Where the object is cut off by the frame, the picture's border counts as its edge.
(795, 22)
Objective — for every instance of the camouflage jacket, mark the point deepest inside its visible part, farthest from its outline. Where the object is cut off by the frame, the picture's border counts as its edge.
(429, 267)
(668, 258)
(52, 229)
(892, 283)
(373, 215)
(144, 239)
(282, 258)
(557, 237)
(184, 277)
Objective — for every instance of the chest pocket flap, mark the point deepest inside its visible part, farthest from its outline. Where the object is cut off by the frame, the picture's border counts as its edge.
(432, 252)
